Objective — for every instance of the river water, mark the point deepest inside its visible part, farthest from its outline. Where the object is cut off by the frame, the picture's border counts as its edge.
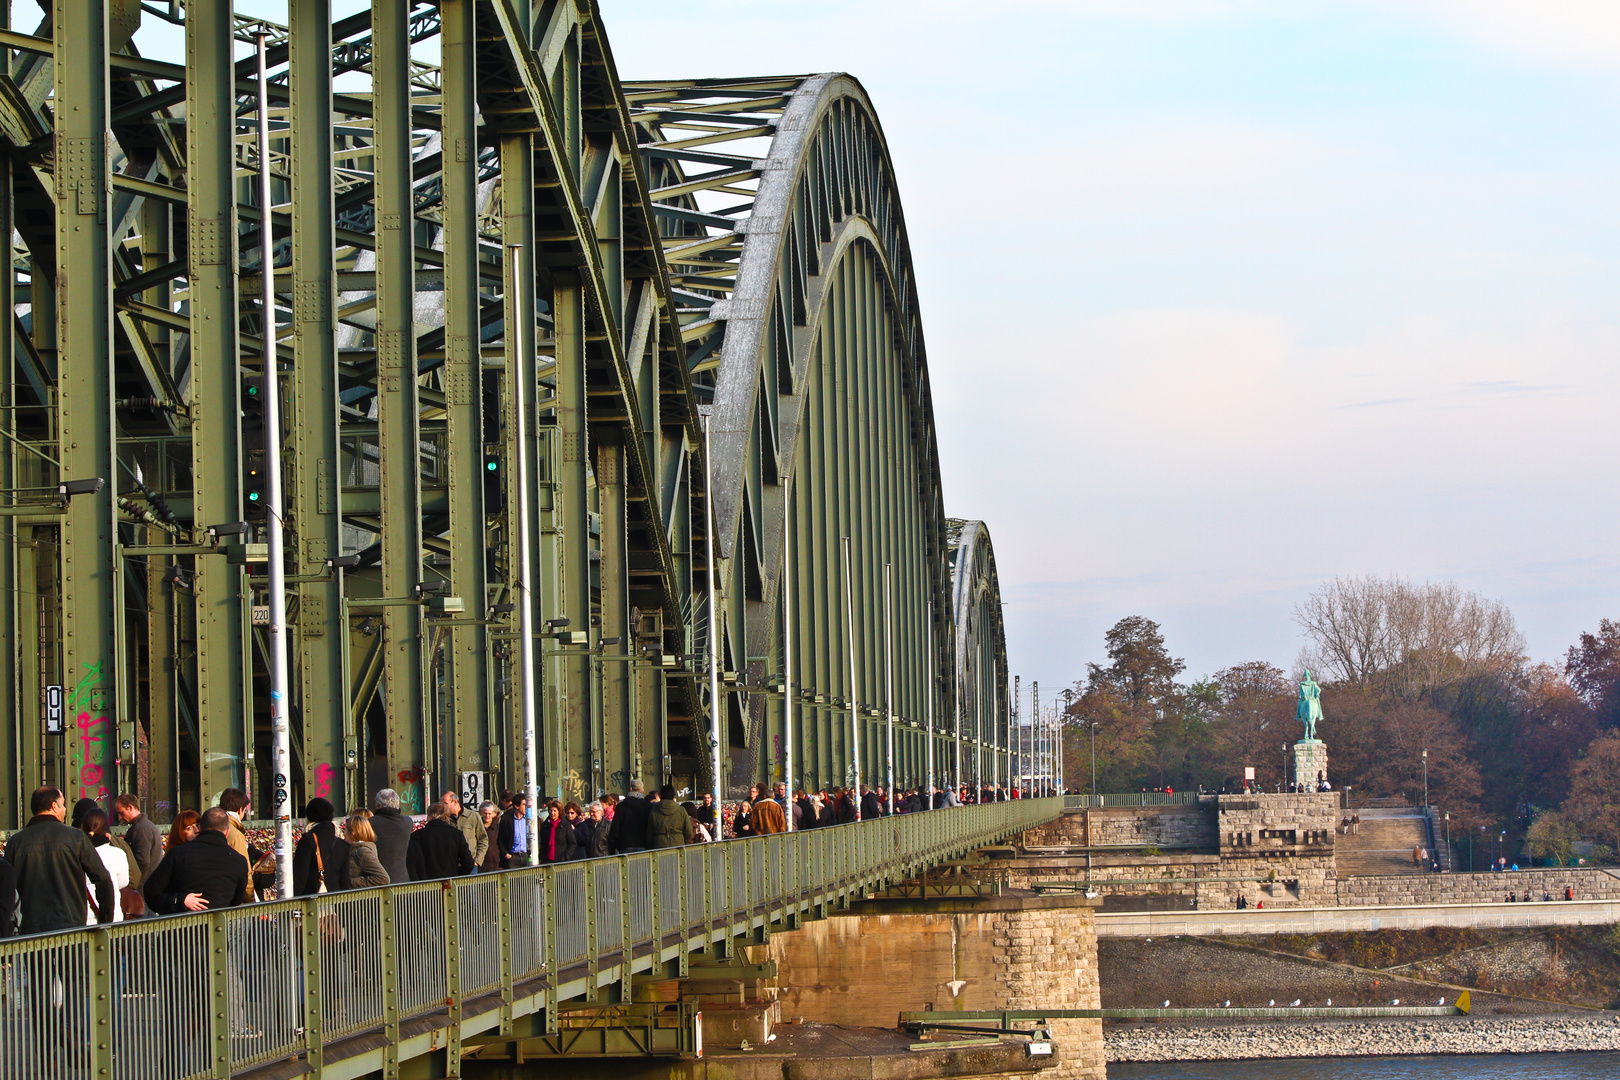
(1436, 1067)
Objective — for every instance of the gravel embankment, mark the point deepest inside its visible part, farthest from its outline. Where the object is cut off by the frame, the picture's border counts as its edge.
(1354, 1038)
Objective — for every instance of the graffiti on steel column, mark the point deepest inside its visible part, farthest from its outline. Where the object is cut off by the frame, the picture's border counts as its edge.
(324, 775)
(410, 790)
(92, 740)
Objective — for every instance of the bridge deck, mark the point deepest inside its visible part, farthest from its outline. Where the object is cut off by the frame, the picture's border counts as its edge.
(350, 983)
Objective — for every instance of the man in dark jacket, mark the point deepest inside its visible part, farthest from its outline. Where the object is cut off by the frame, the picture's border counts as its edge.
(629, 829)
(52, 860)
(332, 865)
(204, 875)
(668, 825)
(393, 831)
(512, 835)
(144, 838)
(8, 899)
(438, 849)
(871, 805)
(592, 833)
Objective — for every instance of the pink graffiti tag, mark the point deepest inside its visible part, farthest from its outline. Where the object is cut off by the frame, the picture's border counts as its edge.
(92, 749)
(324, 774)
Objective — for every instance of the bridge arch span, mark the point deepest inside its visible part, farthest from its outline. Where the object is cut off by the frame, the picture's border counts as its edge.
(813, 363)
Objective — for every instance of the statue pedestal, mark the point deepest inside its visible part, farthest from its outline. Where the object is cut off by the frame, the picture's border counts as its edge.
(1310, 762)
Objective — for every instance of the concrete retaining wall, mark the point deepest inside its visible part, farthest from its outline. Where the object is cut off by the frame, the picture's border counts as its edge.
(1346, 919)
(864, 970)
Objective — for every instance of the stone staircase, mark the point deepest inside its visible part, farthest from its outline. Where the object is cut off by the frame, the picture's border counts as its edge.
(1382, 844)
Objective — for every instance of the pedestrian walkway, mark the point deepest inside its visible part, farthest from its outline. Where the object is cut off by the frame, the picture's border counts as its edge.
(357, 982)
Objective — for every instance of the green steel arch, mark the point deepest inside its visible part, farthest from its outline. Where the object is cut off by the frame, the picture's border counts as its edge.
(981, 690)
(813, 361)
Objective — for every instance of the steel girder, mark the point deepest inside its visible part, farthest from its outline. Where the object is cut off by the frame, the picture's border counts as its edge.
(983, 718)
(401, 191)
(787, 248)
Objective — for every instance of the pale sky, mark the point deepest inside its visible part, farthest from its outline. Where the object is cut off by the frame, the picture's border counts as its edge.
(1225, 298)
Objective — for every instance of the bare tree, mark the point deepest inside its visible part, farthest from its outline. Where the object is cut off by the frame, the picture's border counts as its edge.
(1404, 638)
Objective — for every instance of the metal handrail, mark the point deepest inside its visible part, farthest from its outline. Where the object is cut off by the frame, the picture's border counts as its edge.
(1132, 798)
(216, 993)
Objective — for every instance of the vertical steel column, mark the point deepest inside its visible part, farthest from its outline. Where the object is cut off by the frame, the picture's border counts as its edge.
(216, 455)
(572, 482)
(933, 690)
(718, 710)
(888, 678)
(463, 384)
(618, 749)
(854, 705)
(789, 694)
(520, 305)
(331, 753)
(519, 450)
(85, 392)
(12, 787)
(399, 420)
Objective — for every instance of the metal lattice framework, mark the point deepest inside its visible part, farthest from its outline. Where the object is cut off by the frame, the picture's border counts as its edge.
(729, 247)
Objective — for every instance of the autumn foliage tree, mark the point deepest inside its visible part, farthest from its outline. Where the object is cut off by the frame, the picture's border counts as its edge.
(1404, 669)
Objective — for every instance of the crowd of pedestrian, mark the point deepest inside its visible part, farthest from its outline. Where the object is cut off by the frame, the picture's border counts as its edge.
(66, 869)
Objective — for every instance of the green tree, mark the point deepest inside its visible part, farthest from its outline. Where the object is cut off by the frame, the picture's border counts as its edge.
(1553, 836)
(1253, 718)
(1136, 706)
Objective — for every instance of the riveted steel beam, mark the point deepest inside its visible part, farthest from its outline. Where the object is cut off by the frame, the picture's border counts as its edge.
(332, 751)
(463, 385)
(89, 573)
(398, 410)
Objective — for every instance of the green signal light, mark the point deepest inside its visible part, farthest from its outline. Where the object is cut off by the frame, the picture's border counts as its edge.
(253, 496)
(253, 390)
(492, 465)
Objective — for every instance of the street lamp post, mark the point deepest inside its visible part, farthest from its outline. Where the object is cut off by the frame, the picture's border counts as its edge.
(1093, 726)
(1425, 781)
(1285, 767)
(1449, 852)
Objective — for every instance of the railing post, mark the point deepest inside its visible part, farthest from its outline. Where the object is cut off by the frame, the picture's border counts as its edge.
(590, 930)
(553, 968)
(452, 977)
(219, 983)
(390, 984)
(626, 939)
(101, 1003)
(503, 910)
(309, 937)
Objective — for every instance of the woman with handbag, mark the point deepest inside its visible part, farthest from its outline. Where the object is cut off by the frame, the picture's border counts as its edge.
(321, 859)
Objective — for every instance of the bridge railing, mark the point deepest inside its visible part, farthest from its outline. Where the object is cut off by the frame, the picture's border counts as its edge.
(213, 994)
(1131, 798)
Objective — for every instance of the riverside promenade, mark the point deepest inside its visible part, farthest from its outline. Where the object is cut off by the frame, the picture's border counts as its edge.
(1303, 920)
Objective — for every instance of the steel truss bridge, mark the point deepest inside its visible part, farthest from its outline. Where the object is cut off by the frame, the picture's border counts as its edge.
(532, 964)
(701, 293)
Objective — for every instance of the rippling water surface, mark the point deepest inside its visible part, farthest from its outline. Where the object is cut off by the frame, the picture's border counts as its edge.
(1435, 1067)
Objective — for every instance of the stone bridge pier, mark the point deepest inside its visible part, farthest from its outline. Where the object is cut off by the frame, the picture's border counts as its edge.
(865, 966)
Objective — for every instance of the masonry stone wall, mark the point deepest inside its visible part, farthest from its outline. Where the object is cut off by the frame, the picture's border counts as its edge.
(1013, 953)
(1482, 888)
(1135, 826)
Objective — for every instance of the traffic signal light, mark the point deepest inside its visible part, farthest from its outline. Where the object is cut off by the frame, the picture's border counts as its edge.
(255, 490)
(494, 483)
